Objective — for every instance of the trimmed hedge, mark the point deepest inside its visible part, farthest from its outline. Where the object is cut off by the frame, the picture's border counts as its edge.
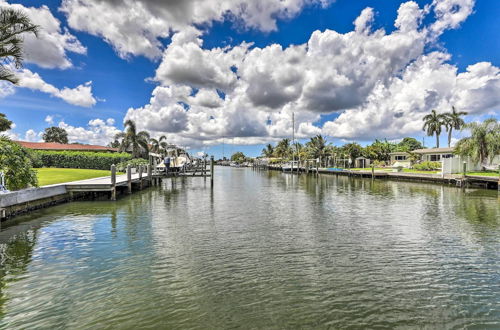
(427, 166)
(134, 163)
(80, 159)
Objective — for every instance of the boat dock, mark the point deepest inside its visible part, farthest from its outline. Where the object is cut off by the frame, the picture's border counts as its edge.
(22, 201)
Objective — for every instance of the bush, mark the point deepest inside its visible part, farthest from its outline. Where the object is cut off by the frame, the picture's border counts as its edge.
(379, 163)
(78, 159)
(134, 163)
(427, 166)
(16, 165)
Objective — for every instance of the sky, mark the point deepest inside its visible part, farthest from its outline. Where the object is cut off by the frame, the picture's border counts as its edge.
(221, 76)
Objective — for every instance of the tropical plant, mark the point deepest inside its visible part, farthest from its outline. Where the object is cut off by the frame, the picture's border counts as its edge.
(352, 150)
(427, 166)
(409, 144)
(453, 120)
(283, 149)
(484, 142)
(16, 165)
(238, 157)
(55, 134)
(133, 141)
(5, 124)
(379, 150)
(433, 124)
(317, 147)
(13, 24)
(268, 151)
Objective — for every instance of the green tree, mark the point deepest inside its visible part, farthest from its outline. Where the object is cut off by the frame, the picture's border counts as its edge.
(317, 147)
(453, 120)
(409, 144)
(379, 150)
(133, 141)
(283, 149)
(484, 142)
(433, 124)
(55, 134)
(238, 157)
(268, 151)
(15, 163)
(13, 24)
(5, 124)
(352, 150)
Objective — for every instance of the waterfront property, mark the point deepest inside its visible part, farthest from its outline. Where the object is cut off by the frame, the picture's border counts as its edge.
(260, 248)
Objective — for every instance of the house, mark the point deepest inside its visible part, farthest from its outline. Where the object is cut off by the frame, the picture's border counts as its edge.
(400, 158)
(52, 146)
(426, 155)
(434, 154)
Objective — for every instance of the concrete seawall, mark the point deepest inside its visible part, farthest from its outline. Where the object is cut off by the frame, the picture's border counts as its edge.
(22, 201)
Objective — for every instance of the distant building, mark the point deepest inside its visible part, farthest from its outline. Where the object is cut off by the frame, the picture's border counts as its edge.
(52, 146)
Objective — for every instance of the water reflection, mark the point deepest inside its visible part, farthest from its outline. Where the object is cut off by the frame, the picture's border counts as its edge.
(261, 248)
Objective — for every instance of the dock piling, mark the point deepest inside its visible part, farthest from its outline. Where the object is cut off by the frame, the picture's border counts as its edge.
(113, 182)
(129, 179)
(212, 171)
(140, 177)
(149, 175)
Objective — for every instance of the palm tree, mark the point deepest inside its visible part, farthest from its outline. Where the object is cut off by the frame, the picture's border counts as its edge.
(433, 123)
(453, 120)
(13, 23)
(317, 146)
(268, 151)
(484, 142)
(283, 149)
(134, 141)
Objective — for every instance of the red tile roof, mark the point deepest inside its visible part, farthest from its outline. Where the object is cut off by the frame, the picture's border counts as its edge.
(60, 146)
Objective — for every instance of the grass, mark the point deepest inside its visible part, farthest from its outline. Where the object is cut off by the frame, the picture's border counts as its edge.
(484, 173)
(48, 176)
(385, 169)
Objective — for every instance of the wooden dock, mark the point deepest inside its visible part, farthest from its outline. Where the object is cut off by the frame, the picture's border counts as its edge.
(22, 201)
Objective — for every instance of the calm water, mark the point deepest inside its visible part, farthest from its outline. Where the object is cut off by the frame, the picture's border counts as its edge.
(262, 250)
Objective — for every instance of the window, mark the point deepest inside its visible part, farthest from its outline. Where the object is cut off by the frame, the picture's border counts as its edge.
(400, 158)
(447, 156)
(435, 158)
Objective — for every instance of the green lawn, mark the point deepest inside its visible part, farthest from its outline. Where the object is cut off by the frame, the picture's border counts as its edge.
(385, 169)
(47, 176)
(483, 173)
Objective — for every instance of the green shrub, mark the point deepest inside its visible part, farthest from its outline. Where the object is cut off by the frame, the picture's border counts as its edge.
(16, 165)
(379, 163)
(79, 159)
(427, 166)
(134, 163)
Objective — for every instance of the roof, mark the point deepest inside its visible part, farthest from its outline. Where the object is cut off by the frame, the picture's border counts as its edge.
(60, 146)
(434, 151)
(398, 153)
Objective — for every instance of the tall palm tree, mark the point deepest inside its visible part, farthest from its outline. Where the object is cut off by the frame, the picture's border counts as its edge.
(317, 146)
(13, 24)
(136, 142)
(484, 142)
(283, 149)
(453, 120)
(268, 151)
(433, 124)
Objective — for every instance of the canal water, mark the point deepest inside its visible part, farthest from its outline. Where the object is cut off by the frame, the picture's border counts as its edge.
(260, 250)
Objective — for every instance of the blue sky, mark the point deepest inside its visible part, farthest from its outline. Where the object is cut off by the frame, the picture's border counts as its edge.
(125, 78)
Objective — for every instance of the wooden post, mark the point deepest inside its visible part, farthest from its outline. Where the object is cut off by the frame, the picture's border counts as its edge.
(373, 171)
(140, 177)
(149, 175)
(129, 179)
(113, 182)
(204, 168)
(212, 171)
(317, 166)
(464, 169)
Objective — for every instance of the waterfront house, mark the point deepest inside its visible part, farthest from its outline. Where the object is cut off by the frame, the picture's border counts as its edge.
(53, 146)
(434, 154)
(400, 158)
